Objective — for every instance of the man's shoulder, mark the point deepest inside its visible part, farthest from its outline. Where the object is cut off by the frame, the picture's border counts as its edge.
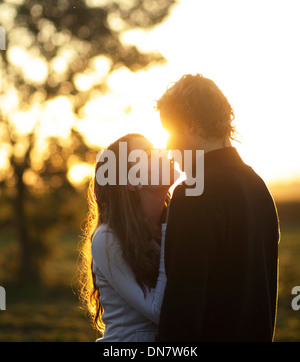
(220, 184)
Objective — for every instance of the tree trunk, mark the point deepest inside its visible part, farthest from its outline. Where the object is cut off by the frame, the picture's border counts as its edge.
(27, 272)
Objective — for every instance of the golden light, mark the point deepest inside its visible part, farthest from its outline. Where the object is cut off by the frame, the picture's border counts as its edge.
(83, 82)
(34, 68)
(96, 2)
(24, 121)
(9, 101)
(59, 64)
(16, 55)
(30, 177)
(250, 52)
(5, 151)
(80, 172)
(102, 65)
(57, 118)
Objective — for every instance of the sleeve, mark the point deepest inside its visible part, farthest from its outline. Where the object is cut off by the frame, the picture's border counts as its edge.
(191, 238)
(107, 256)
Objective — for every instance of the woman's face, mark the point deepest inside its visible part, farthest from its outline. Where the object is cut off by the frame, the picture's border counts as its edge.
(140, 143)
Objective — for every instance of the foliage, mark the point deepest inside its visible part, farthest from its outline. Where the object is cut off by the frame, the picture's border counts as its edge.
(35, 192)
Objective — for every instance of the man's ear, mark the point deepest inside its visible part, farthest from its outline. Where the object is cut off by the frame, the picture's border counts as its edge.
(195, 128)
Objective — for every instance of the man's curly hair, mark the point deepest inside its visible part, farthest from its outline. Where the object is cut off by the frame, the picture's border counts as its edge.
(196, 99)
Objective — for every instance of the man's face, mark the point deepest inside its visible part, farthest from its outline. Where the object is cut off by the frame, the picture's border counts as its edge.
(180, 138)
(176, 141)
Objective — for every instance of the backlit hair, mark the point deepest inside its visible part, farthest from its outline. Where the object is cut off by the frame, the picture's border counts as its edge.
(120, 208)
(197, 100)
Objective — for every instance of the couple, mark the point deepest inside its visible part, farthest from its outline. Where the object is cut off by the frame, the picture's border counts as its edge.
(185, 268)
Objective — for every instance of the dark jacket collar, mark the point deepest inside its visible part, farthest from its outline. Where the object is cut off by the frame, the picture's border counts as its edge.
(222, 157)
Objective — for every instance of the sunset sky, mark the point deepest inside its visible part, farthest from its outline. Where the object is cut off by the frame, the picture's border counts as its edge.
(250, 49)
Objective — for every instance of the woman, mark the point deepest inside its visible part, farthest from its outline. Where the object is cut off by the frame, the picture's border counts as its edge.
(123, 272)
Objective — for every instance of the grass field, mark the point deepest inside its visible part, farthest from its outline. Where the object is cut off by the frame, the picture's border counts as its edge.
(52, 312)
(288, 320)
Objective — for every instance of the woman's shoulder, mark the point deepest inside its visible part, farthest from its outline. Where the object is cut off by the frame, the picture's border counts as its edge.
(106, 249)
(103, 237)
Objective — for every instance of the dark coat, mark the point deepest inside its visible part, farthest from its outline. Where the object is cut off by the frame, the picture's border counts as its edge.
(221, 257)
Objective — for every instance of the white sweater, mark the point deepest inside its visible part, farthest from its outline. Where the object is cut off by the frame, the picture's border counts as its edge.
(128, 316)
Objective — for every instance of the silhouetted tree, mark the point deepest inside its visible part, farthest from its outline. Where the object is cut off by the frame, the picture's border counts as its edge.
(46, 29)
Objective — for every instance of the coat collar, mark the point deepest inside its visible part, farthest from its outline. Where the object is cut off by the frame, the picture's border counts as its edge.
(227, 156)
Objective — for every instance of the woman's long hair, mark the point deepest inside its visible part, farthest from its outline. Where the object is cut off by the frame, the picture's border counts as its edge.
(120, 209)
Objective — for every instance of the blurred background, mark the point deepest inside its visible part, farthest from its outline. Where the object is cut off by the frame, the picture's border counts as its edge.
(75, 76)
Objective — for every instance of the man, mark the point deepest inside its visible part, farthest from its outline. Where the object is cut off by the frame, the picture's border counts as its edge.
(221, 247)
